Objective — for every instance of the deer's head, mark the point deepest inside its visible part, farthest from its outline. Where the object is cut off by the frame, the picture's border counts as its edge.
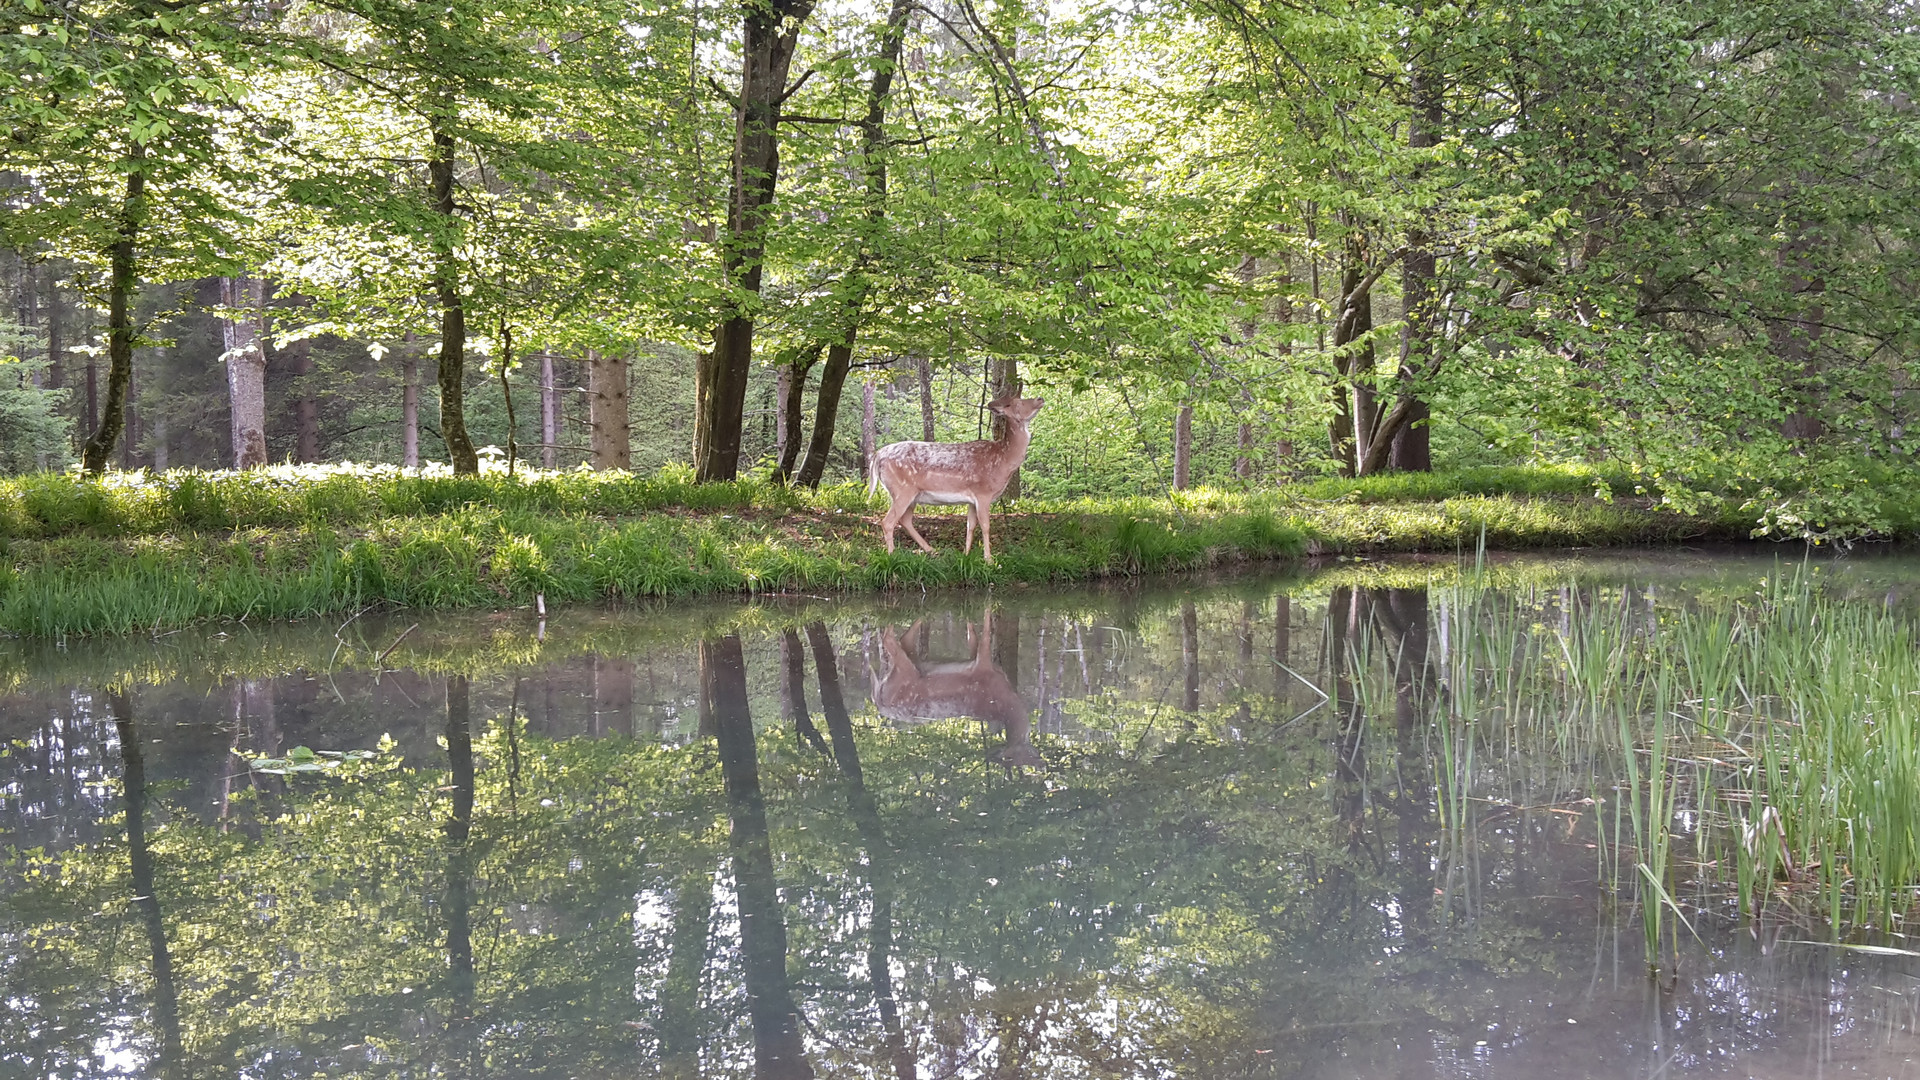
(1015, 410)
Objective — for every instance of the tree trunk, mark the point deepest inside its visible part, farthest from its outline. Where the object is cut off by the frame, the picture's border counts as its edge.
(453, 311)
(854, 288)
(1183, 447)
(1409, 442)
(1006, 382)
(131, 441)
(826, 409)
(867, 430)
(924, 364)
(549, 414)
(244, 330)
(768, 36)
(795, 371)
(141, 877)
(1189, 657)
(409, 405)
(1355, 322)
(160, 443)
(607, 410)
(306, 407)
(783, 394)
(56, 373)
(122, 279)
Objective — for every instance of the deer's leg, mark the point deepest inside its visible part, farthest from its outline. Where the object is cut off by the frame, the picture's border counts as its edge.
(986, 535)
(891, 519)
(969, 544)
(906, 518)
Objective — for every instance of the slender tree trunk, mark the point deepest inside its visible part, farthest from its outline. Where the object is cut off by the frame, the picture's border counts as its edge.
(833, 380)
(783, 394)
(122, 279)
(1183, 448)
(872, 151)
(769, 34)
(306, 408)
(56, 348)
(1351, 412)
(409, 405)
(160, 443)
(924, 367)
(456, 904)
(1409, 443)
(244, 330)
(453, 311)
(1006, 383)
(1189, 657)
(129, 444)
(868, 434)
(549, 414)
(607, 410)
(790, 412)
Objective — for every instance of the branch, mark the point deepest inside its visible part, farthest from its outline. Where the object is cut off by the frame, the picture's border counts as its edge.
(794, 89)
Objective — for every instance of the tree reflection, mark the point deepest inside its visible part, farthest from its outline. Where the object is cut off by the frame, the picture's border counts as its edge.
(873, 839)
(777, 1049)
(457, 900)
(166, 1000)
(1231, 891)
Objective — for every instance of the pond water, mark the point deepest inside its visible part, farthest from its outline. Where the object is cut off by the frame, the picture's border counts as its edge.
(1332, 822)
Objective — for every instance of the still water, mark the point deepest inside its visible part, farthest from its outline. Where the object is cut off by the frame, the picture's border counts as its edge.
(1198, 828)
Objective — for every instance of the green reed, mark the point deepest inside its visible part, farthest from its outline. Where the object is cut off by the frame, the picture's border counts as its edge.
(1759, 755)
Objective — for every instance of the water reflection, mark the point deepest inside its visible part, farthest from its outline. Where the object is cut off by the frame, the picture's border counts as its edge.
(910, 691)
(1228, 851)
(146, 899)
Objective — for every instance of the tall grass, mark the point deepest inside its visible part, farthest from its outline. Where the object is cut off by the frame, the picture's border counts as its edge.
(480, 556)
(1765, 751)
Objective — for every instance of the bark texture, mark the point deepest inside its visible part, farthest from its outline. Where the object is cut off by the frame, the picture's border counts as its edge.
(607, 410)
(768, 36)
(244, 332)
(453, 311)
(549, 414)
(1183, 448)
(122, 279)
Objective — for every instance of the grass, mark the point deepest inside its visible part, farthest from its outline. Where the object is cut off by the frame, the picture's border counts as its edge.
(1763, 751)
(135, 552)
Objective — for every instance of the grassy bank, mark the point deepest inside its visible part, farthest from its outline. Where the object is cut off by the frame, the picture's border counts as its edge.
(134, 553)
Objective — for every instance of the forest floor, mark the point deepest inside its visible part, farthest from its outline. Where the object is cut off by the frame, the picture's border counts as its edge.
(140, 554)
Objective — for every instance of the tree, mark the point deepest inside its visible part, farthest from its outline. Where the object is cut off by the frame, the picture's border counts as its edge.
(769, 36)
(120, 145)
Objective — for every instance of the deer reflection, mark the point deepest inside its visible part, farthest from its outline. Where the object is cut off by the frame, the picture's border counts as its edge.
(912, 692)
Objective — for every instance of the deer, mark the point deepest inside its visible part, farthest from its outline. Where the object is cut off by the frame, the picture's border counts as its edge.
(912, 693)
(946, 474)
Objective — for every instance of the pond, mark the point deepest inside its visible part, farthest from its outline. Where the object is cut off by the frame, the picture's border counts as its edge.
(1634, 816)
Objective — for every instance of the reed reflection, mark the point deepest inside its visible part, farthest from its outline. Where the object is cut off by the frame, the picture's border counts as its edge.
(911, 691)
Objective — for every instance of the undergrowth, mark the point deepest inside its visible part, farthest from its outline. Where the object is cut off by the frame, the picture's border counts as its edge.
(135, 552)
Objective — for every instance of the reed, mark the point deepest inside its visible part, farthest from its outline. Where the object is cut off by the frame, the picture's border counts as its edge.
(1759, 754)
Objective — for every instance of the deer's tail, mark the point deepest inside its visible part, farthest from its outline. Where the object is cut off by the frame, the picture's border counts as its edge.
(873, 474)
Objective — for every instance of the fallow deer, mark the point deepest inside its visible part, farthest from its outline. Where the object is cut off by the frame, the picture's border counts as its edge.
(946, 474)
(910, 692)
